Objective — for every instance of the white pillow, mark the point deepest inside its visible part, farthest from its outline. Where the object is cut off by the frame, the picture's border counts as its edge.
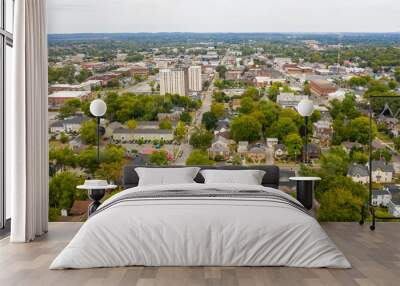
(247, 177)
(166, 176)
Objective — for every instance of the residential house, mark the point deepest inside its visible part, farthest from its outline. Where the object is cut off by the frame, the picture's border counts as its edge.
(280, 152)
(242, 148)
(358, 173)
(257, 155)
(262, 81)
(382, 172)
(271, 142)
(394, 204)
(323, 132)
(152, 124)
(220, 149)
(132, 135)
(69, 125)
(172, 116)
(222, 126)
(289, 100)
(236, 104)
(348, 146)
(314, 151)
(381, 197)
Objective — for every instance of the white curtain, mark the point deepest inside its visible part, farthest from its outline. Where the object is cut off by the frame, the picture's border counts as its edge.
(26, 120)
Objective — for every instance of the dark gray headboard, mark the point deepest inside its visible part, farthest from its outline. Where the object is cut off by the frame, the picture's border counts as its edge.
(271, 177)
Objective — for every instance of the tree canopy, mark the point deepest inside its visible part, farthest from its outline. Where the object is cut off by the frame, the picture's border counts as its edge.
(199, 158)
(201, 138)
(245, 128)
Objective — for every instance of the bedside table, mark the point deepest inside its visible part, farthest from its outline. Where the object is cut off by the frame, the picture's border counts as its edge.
(96, 190)
(305, 190)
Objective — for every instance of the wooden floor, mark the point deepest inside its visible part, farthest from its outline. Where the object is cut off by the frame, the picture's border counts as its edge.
(375, 257)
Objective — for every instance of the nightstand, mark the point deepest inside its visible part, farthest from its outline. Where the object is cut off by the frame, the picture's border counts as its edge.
(96, 190)
(305, 190)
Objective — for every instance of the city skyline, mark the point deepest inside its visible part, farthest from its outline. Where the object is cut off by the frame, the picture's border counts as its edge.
(287, 16)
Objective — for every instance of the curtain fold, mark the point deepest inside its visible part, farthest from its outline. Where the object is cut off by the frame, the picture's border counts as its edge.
(26, 130)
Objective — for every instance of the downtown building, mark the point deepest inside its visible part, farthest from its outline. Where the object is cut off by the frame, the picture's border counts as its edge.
(195, 82)
(174, 81)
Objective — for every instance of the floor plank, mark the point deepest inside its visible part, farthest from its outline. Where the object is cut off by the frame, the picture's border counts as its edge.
(375, 257)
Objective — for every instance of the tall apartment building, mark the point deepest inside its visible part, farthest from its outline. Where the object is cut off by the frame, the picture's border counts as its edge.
(195, 78)
(174, 81)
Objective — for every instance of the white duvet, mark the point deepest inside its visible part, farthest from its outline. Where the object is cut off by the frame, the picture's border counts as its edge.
(200, 232)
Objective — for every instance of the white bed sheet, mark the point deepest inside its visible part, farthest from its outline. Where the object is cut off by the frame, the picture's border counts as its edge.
(201, 232)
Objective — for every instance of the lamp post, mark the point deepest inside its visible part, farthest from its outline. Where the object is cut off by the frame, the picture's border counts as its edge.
(98, 108)
(305, 109)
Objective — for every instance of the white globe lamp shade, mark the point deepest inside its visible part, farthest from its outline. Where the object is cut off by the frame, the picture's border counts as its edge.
(98, 108)
(305, 107)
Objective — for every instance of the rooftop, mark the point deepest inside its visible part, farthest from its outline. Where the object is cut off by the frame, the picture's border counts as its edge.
(142, 131)
(71, 94)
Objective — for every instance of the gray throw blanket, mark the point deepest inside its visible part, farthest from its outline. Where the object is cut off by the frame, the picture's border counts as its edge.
(199, 194)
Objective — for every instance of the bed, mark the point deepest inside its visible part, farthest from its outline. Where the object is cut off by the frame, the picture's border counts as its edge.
(201, 224)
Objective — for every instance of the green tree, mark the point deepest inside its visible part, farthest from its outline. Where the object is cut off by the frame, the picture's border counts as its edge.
(397, 74)
(133, 58)
(62, 190)
(180, 131)
(85, 107)
(359, 157)
(251, 92)
(246, 105)
(59, 158)
(273, 92)
(392, 84)
(83, 75)
(159, 158)
(307, 89)
(220, 96)
(282, 127)
(360, 130)
(165, 124)
(315, 116)
(113, 83)
(271, 111)
(335, 162)
(111, 172)
(87, 159)
(294, 144)
(382, 154)
(64, 138)
(245, 128)
(218, 109)
(201, 139)
(69, 108)
(88, 132)
(112, 153)
(396, 142)
(339, 204)
(65, 74)
(209, 120)
(221, 70)
(186, 117)
(199, 158)
(131, 123)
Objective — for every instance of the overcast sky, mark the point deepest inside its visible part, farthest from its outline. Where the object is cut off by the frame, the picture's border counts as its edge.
(112, 16)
